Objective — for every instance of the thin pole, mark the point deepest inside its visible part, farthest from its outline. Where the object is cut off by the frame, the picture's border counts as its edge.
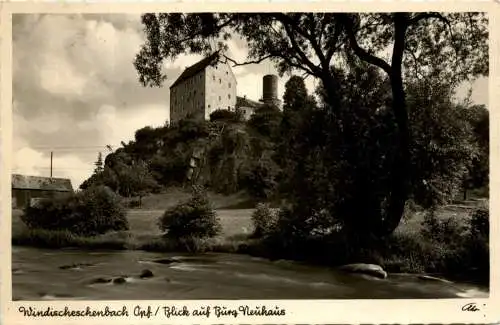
(51, 156)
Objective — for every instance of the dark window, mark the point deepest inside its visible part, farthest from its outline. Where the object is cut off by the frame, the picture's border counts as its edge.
(220, 80)
(219, 98)
(213, 77)
(229, 85)
(208, 105)
(229, 96)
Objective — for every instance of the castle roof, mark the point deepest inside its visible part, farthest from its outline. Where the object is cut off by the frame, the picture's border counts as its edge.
(24, 182)
(196, 68)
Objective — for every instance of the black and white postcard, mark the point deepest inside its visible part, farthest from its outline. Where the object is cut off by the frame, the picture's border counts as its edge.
(236, 163)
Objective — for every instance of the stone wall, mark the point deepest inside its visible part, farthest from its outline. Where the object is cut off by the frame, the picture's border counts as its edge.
(188, 97)
(220, 89)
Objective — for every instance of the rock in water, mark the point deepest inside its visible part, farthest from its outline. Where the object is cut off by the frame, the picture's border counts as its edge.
(101, 280)
(146, 274)
(369, 269)
(119, 280)
(75, 266)
(164, 261)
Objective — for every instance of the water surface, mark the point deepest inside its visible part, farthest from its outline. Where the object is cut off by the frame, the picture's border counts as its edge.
(39, 274)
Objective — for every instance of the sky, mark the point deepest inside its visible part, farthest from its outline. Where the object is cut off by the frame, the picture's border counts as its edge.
(75, 89)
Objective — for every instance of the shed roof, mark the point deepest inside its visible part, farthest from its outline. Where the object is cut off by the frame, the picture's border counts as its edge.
(196, 68)
(41, 183)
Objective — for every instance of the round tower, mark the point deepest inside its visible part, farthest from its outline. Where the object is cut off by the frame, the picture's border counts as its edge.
(270, 87)
(270, 90)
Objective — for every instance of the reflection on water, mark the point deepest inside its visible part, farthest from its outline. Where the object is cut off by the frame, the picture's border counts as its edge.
(39, 274)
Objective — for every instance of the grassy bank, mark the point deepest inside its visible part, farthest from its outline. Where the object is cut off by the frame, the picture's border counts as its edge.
(143, 234)
(408, 250)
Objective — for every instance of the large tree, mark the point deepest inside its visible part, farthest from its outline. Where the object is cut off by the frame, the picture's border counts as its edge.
(403, 45)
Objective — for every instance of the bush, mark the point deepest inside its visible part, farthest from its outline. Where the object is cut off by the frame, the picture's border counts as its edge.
(447, 230)
(476, 250)
(263, 220)
(135, 203)
(63, 238)
(194, 218)
(93, 211)
(260, 178)
(225, 115)
(480, 223)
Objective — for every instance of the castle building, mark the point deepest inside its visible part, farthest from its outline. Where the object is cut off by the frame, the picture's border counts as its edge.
(247, 106)
(210, 85)
(202, 88)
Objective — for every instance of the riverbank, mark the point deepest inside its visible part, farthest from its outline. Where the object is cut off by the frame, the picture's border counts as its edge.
(407, 251)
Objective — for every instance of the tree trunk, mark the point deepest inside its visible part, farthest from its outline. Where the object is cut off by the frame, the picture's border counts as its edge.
(400, 172)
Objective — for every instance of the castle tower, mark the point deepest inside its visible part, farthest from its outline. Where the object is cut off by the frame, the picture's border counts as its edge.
(270, 90)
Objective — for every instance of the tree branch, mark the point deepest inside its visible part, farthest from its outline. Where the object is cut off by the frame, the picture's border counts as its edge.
(435, 15)
(427, 15)
(296, 65)
(298, 50)
(332, 42)
(359, 51)
(287, 21)
(236, 64)
(415, 60)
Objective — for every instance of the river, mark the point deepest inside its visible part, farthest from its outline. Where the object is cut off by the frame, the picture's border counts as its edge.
(39, 274)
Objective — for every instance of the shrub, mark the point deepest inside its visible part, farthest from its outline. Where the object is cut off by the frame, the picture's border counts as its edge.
(135, 203)
(476, 250)
(446, 230)
(225, 115)
(64, 238)
(194, 218)
(410, 210)
(480, 223)
(263, 220)
(93, 211)
(260, 178)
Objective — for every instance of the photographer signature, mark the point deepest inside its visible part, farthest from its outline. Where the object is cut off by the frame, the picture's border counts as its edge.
(470, 307)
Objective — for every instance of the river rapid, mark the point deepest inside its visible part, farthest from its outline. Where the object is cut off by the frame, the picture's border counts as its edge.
(39, 274)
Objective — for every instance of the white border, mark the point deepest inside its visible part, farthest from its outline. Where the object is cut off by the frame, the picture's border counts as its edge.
(298, 311)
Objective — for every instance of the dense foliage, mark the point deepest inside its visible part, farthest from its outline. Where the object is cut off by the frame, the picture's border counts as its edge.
(93, 211)
(194, 218)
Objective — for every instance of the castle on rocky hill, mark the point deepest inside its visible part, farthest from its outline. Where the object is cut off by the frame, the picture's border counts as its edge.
(210, 85)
